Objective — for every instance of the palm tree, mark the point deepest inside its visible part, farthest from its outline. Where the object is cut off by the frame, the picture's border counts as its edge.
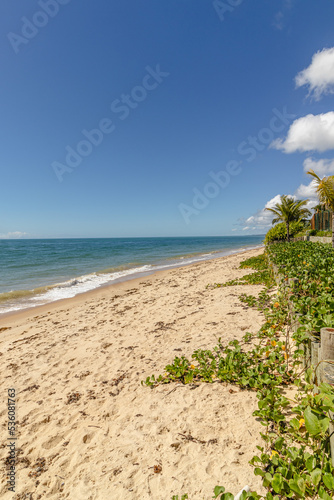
(319, 208)
(289, 210)
(325, 192)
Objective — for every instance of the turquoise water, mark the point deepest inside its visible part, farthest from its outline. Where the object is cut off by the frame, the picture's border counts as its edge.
(34, 272)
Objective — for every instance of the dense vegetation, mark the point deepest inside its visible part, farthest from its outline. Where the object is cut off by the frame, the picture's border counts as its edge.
(314, 232)
(294, 461)
(278, 232)
(297, 229)
(289, 210)
(313, 295)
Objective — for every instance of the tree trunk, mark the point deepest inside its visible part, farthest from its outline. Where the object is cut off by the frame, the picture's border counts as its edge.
(333, 228)
(288, 232)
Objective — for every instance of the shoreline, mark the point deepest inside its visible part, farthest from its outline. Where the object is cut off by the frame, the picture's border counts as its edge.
(77, 367)
(124, 279)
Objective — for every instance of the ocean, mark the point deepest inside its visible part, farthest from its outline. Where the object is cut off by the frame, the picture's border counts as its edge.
(35, 272)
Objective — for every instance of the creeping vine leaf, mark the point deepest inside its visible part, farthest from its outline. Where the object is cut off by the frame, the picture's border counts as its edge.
(315, 423)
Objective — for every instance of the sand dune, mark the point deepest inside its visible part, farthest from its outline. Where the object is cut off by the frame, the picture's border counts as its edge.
(89, 430)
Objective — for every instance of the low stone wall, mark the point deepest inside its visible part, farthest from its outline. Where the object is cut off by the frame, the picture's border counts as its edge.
(320, 239)
(314, 239)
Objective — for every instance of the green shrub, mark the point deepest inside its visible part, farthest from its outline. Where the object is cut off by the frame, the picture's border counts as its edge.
(278, 232)
(259, 262)
(323, 233)
(314, 232)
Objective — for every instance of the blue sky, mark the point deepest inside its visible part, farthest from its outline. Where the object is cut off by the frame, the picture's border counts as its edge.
(178, 91)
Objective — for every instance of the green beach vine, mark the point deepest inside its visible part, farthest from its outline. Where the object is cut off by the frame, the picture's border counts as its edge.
(294, 461)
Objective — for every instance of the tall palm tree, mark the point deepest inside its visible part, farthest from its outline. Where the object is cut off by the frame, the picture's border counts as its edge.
(289, 210)
(325, 192)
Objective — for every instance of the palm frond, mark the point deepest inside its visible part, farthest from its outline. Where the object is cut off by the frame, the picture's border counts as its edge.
(325, 189)
(289, 210)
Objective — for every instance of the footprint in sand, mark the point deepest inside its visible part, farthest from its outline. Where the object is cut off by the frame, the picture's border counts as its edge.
(52, 442)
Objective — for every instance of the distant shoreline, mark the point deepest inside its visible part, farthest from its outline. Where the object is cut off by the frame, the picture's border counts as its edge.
(123, 283)
(174, 256)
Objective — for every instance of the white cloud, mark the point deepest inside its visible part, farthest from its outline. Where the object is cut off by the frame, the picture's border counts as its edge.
(271, 203)
(308, 191)
(312, 203)
(14, 235)
(320, 167)
(262, 219)
(319, 75)
(309, 133)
